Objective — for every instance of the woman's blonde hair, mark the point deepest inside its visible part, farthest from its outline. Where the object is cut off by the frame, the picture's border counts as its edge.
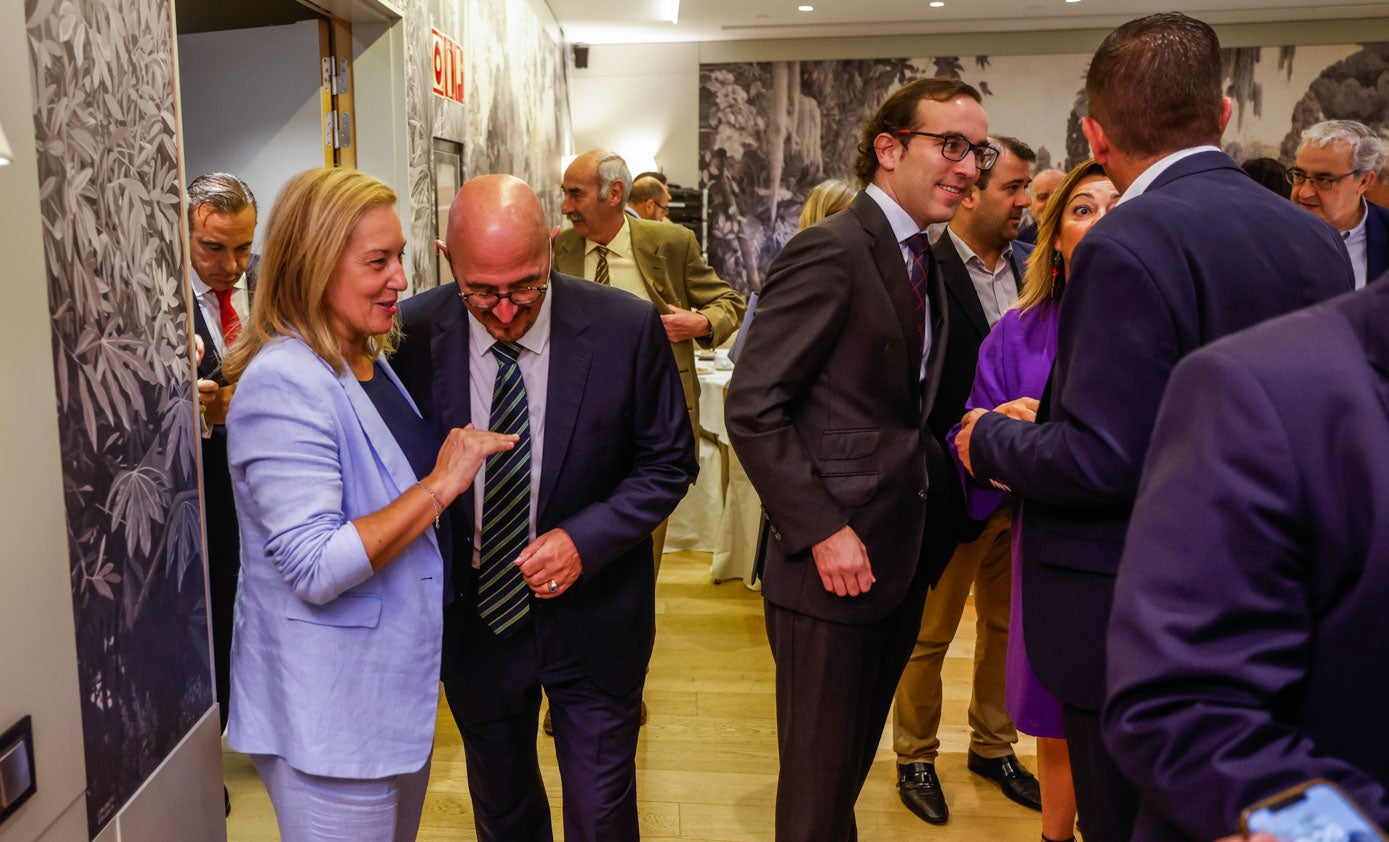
(826, 199)
(308, 230)
(1039, 283)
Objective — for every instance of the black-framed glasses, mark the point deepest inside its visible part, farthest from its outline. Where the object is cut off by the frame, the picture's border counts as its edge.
(523, 297)
(954, 147)
(1296, 176)
(520, 297)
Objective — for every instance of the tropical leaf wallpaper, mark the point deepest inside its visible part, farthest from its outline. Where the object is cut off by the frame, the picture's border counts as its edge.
(771, 131)
(110, 202)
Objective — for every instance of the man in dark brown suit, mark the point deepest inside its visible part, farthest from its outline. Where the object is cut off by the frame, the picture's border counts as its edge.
(828, 414)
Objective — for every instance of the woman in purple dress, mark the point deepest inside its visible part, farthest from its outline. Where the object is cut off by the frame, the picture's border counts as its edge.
(1014, 363)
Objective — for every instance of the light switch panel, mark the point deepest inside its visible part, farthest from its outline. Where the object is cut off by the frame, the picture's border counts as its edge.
(17, 780)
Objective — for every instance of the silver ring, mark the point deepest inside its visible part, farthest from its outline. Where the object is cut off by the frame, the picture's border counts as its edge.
(552, 586)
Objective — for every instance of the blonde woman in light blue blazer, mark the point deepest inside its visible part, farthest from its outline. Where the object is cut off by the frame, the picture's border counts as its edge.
(340, 490)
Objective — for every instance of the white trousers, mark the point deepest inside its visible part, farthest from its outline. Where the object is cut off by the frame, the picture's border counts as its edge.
(312, 808)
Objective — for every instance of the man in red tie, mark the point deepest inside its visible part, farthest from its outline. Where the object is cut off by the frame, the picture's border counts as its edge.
(221, 225)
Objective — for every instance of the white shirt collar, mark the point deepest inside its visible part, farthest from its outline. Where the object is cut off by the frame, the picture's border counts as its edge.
(1148, 176)
(480, 342)
(903, 226)
(200, 289)
(966, 253)
(620, 244)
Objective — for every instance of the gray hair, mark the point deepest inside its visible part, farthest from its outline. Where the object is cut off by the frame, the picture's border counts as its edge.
(1367, 151)
(612, 168)
(222, 192)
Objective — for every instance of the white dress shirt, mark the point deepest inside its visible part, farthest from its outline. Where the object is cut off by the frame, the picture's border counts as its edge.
(1157, 168)
(903, 227)
(212, 308)
(622, 266)
(1358, 244)
(534, 363)
(997, 288)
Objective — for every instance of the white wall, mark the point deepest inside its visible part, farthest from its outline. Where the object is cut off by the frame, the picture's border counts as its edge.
(643, 99)
(250, 100)
(38, 649)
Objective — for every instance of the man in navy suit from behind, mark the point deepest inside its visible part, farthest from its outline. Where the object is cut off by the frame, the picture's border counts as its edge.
(1194, 250)
(1246, 647)
(610, 454)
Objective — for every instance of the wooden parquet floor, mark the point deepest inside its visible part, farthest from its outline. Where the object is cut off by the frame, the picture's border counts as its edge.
(707, 757)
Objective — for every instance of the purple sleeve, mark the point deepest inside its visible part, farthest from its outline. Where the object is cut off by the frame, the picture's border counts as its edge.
(991, 388)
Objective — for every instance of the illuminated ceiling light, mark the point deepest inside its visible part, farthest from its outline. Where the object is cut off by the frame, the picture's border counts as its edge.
(937, 4)
(1072, 1)
(805, 8)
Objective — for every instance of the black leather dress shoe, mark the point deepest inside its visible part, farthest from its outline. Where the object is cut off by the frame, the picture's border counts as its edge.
(1016, 782)
(920, 790)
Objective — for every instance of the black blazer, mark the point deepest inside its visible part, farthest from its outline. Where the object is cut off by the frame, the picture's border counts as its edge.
(968, 327)
(618, 455)
(828, 415)
(1204, 252)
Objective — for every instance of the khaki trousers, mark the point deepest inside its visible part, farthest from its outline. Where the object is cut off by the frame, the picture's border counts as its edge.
(985, 563)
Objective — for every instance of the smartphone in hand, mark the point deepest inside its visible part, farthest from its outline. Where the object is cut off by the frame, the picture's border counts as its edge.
(1315, 811)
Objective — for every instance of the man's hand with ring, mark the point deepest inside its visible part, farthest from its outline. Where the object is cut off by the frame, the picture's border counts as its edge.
(550, 564)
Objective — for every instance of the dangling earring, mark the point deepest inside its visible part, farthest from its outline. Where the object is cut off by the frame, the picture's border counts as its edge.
(1057, 267)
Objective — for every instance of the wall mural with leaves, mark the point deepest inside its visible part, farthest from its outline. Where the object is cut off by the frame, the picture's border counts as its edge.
(771, 131)
(109, 194)
(515, 115)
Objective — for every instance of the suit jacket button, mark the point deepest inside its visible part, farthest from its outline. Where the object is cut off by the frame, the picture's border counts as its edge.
(776, 535)
(921, 495)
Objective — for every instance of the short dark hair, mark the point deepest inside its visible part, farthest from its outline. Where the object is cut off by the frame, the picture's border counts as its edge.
(645, 186)
(222, 192)
(898, 112)
(1154, 85)
(1269, 172)
(1019, 150)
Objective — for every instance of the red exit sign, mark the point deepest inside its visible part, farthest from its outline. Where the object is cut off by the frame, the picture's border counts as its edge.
(448, 67)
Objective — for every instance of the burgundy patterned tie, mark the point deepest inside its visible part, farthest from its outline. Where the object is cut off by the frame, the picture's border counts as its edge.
(916, 273)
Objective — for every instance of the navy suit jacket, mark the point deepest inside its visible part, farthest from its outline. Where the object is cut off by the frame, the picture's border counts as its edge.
(1376, 243)
(619, 454)
(1204, 252)
(1247, 644)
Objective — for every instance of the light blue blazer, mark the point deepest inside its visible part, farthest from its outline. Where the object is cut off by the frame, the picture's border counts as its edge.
(333, 667)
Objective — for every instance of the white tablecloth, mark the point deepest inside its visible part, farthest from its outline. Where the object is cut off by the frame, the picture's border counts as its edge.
(721, 513)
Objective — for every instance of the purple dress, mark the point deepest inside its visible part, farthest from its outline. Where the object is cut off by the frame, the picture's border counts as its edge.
(1014, 362)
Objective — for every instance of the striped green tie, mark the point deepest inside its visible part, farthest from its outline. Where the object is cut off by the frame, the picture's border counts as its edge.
(503, 597)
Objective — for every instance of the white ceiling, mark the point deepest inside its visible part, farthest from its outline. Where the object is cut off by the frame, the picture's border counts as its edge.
(646, 21)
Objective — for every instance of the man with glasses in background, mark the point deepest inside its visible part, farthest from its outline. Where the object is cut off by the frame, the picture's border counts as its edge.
(1337, 161)
(862, 502)
(552, 582)
(650, 197)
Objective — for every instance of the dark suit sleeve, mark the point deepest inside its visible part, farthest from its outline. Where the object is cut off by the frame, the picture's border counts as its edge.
(1118, 344)
(801, 309)
(1211, 629)
(663, 463)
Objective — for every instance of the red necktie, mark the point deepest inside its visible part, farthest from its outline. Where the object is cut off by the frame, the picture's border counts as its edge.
(231, 323)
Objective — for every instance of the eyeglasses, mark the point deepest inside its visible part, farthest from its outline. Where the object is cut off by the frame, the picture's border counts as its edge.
(523, 297)
(1319, 182)
(954, 147)
(520, 297)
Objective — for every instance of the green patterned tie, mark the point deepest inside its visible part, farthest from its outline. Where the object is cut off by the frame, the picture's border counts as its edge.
(503, 597)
